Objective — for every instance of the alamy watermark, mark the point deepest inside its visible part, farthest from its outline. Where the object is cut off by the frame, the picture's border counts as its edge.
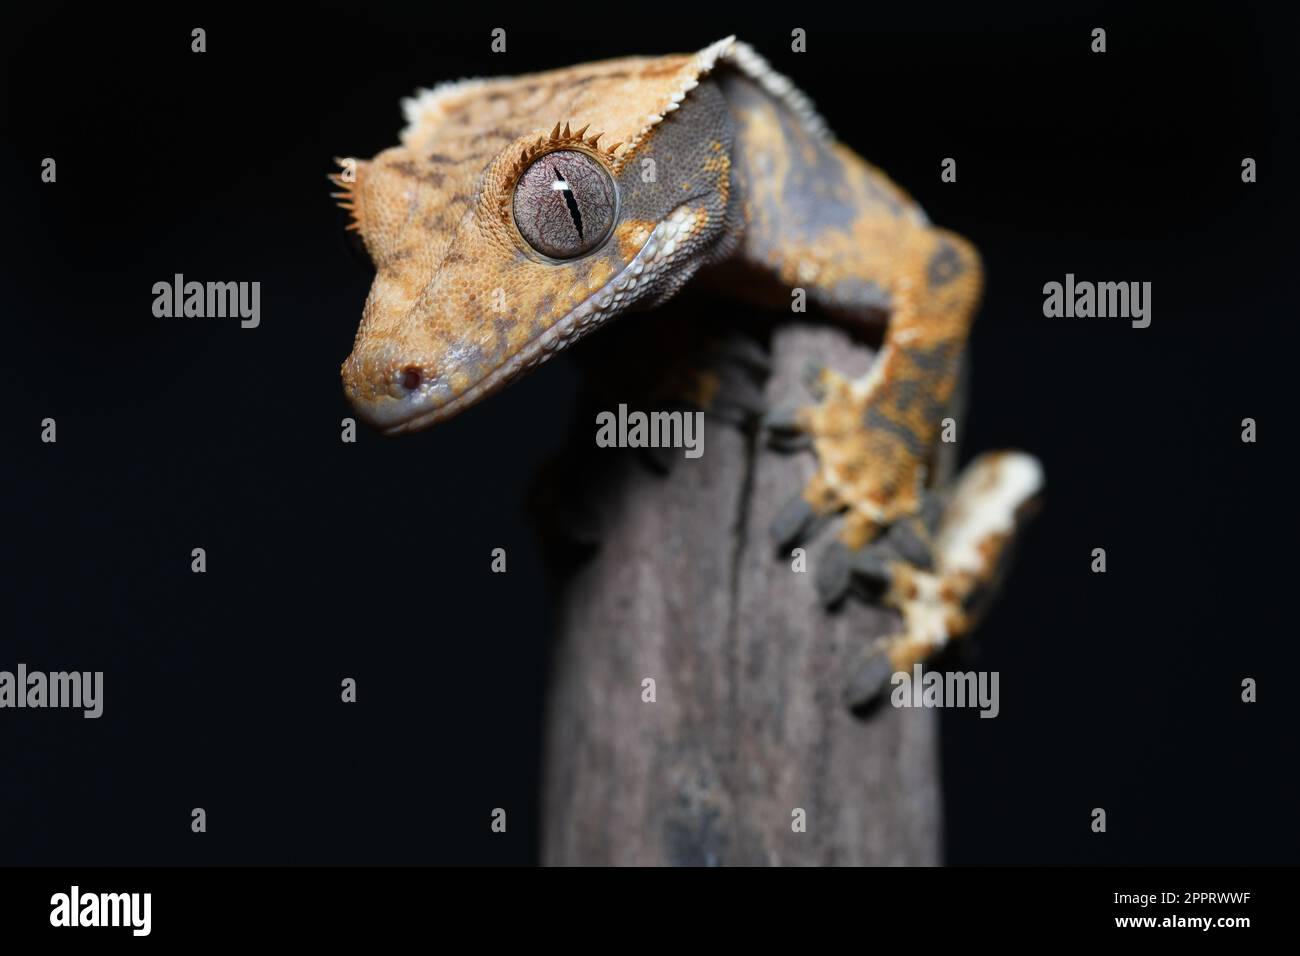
(651, 430)
(951, 689)
(1101, 300)
(208, 300)
(76, 690)
(76, 908)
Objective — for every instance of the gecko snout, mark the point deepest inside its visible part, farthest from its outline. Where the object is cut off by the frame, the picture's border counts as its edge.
(387, 390)
(402, 386)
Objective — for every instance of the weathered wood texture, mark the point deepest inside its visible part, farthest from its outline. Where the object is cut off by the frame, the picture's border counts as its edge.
(686, 588)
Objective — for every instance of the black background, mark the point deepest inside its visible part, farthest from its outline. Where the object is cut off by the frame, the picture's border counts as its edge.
(371, 560)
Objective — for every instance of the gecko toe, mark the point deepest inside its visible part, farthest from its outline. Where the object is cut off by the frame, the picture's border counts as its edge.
(868, 681)
(792, 522)
(782, 419)
(875, 564)
(911, 544)
(834, 573)
(784, 431)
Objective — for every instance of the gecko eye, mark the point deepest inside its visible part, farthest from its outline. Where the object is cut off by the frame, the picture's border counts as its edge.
(564, 204)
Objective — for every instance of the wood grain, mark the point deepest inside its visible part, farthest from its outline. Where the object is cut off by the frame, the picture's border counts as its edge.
(686, 588)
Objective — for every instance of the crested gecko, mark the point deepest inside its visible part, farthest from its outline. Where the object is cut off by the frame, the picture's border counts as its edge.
(518, 214)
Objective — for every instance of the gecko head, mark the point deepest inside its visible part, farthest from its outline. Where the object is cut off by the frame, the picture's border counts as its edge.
(497, 244)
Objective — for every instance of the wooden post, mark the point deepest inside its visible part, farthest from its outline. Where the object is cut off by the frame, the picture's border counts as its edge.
(747, 731)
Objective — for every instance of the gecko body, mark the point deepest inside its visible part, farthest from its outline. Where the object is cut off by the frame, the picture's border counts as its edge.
(520, 214)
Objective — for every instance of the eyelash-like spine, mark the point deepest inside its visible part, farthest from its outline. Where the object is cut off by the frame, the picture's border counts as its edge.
(560, 138)
(348, 198)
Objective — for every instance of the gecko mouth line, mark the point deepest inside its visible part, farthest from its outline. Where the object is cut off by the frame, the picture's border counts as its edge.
(653, 256)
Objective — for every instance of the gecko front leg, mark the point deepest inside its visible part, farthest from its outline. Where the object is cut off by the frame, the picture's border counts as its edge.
(821, 220)
(873, 436)
(933, 554)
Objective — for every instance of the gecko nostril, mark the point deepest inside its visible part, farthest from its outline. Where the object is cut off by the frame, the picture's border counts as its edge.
(410, 378)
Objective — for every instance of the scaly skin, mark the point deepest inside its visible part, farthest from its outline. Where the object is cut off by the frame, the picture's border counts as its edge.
(719, 165)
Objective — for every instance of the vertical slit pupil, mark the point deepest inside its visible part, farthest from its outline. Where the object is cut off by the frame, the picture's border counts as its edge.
(569, 200)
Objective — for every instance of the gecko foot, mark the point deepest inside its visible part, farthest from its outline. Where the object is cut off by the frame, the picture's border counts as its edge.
(936, 561)
(976, 525)
(871, 448)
